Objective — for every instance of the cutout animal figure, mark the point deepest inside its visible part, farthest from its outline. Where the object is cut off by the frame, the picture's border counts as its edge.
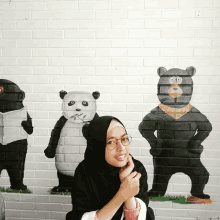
(15, 124)
(181, 128)
(79, 108)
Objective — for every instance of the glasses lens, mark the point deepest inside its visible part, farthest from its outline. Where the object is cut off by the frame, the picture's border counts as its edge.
(126, 140)
(111, 145)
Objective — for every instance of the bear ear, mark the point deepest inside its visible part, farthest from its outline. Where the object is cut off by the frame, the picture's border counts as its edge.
(21, 95)
(62, 94)
(191, 70)
(96, 95)
(161, 71)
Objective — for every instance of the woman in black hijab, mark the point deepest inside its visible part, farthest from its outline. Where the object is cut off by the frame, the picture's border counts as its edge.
(106, 181)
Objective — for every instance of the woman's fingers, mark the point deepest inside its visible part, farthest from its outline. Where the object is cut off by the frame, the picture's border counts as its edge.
(130, 186)
(132, 175)
(138, 176)
(126, 170)
(130, 162)
(135, 175)
(130, 166)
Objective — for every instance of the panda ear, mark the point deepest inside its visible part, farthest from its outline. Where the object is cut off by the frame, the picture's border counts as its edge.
(21, 95)
(62, 94)
(191, 70)
(96, 95)
(161, 71)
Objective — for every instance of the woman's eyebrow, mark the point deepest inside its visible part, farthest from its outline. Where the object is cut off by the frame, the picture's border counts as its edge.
(116, 138)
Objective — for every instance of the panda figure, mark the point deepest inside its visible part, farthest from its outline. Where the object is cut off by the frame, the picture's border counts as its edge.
(181, 128)
(15, 125)
(69, 133)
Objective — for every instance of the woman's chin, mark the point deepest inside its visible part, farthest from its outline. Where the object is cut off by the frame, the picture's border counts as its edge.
(120, 163)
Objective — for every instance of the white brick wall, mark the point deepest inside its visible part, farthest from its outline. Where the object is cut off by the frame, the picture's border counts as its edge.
(114, 47)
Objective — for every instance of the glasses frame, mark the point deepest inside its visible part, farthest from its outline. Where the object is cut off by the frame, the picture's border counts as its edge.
(130, 139)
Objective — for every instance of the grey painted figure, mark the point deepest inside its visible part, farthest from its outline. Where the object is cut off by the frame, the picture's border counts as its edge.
(181, 128)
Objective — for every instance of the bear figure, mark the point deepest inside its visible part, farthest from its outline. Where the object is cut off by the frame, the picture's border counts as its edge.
(70, 133)
(15, 124)
(180, 130)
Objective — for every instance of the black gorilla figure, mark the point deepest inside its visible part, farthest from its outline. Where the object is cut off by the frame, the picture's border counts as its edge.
(181, 128)
(13, 154)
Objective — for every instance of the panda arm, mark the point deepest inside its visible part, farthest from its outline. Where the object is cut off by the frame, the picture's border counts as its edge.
(27, 125)
(147, 128)
(204, 128)
(55, 136)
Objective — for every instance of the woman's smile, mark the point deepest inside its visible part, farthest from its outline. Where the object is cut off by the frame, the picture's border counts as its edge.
(121, 157)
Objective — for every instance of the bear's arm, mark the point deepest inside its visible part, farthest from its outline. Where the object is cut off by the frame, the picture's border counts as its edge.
(204, 128)
(55, 136)
(147, 128)
(27, 125)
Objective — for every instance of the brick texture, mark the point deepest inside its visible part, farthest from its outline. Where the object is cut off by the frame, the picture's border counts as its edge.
(114, 47)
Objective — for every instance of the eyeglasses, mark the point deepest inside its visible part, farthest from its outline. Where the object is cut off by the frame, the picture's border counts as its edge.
(125, 140)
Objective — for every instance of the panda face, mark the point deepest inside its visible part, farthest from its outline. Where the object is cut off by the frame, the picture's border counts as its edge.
(79, 107)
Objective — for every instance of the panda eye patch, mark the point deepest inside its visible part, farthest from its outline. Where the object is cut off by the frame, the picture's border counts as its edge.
(71, 103)
(85, 103)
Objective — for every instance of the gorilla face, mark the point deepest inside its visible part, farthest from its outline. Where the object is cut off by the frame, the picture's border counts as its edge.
(175, 87)
(11, 96)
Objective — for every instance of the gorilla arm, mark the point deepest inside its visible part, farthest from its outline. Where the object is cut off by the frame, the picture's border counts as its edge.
(147, 128)
(27, 125)
(50, 151)
(204, 128)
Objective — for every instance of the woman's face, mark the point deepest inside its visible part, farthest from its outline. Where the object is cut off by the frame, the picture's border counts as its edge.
(117, 157)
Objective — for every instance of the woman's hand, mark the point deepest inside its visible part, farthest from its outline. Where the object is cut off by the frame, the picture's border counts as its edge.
(130, 185)
(128, 188)
(127, 169)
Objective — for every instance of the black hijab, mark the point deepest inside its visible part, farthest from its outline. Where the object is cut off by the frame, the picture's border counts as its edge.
(96, 182)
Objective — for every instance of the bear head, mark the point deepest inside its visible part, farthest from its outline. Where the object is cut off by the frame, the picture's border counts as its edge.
(175, 86)
(11, 96)
(78, 106)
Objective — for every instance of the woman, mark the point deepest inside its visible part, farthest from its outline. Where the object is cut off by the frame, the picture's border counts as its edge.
(109, 183)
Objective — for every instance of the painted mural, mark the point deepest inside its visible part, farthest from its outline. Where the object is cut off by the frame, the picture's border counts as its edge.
(181, 128)
(69, 133)
(15, 125)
